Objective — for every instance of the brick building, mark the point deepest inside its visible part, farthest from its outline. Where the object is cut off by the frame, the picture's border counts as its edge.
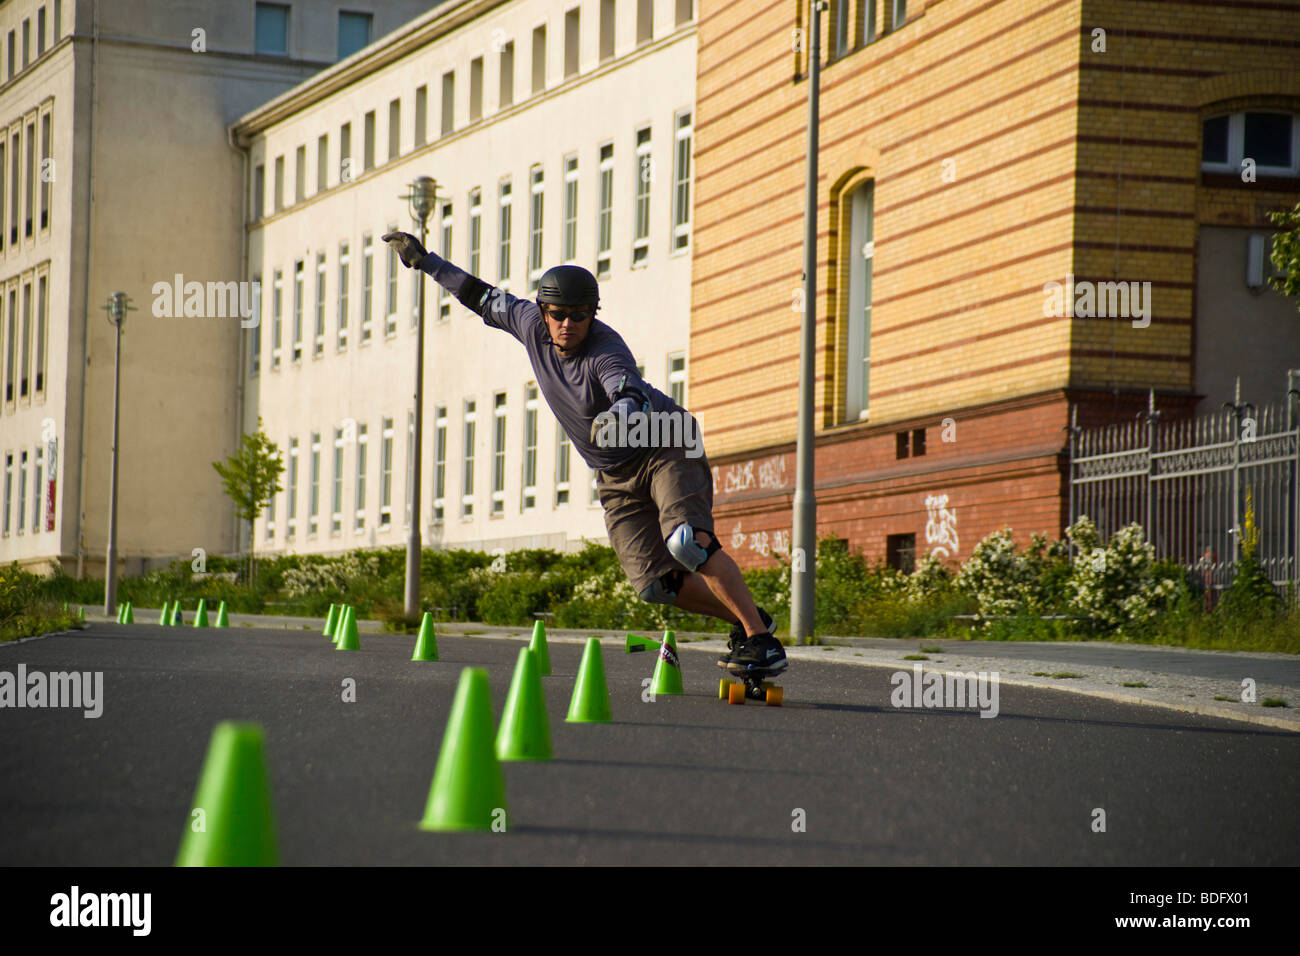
(1021, 206)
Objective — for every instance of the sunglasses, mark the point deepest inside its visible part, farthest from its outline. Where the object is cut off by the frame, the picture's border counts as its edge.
(559, 316)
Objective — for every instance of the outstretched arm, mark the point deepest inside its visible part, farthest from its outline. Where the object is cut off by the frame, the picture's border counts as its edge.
(496, 307)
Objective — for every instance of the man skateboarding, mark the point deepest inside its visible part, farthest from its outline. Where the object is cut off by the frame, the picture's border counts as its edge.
(657, 496)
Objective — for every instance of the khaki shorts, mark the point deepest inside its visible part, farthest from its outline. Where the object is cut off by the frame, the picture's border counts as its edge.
(645, 500)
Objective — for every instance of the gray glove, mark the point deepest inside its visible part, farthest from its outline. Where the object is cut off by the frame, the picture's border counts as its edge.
(408, 248)
(606, 426)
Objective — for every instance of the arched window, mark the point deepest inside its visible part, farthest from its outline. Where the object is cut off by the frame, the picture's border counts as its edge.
(857, 356)
(1270, 138)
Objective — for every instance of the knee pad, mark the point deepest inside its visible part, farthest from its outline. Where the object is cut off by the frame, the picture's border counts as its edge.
(664, 590)
(683, 546)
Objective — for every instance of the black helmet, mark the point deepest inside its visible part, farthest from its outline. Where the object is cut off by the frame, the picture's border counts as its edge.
(567, 285)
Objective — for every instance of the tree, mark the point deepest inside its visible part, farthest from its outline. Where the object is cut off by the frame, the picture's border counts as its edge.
(250, 478)
(1286, 252)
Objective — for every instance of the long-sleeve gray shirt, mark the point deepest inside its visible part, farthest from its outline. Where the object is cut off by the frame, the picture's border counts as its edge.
(577, 387)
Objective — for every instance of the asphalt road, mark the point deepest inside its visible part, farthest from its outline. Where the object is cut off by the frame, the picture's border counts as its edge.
(680, 781)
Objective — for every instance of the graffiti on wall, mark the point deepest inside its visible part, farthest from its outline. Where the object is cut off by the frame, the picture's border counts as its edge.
(940, 527)
(760, 542)
(767, 473)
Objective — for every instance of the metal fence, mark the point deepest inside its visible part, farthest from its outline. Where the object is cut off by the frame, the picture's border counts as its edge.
(1187, 483)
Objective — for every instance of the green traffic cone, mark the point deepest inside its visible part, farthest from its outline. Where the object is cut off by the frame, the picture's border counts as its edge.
(348, 639)
(338, 623)
(525, 733)
(127, 616)
(162, 618)
(81, 612)
(331, 621)
(201, 616)
(223, 619)
(538, 646)
(468, 791)
(590, 703)
(177, 617)
(121, 610)
(668, 669)
(235, 827)
(426, 645)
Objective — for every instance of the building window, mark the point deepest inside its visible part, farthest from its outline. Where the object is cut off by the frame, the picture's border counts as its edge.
(354, 33)
(677, 379)
(448, 102)
(345, 261)
(530, 446)
(359, 503)
(539, 59)
(56, 27)
(9, 489)
(279, 184)
(842, 27)
(605, 212)
(562, 446)
(367, 284)
(421, 116)
(259, 189)
(439, 463)
(293, 489)
(318, 348)
(322, 163)
(899, 15)
(901, 446)
(645, 21)
(869, 29)
(271, 29)
(476, 89)
(38, 465)
(535, 228)
(641, 198)
(298, 268)
(507, 78)
(857, 366)
(390, 295)
(313, 495)
(24, 381)
(368, 143)
(608, 23)
(475, 228)
(46, 164)
(900, 552)
(503, 233)
(300, 174)
(467, 473)
(42, 310)
(15, 185)
(394, 129)
(682, 181)
(572, 24)
(2, 189)
(11, 350)
(1270, 139)
(13, 66)
(336, 501)
(255, 333)
(386, 474)
(918, 442)
(40, 31)
(22, 492)
(345, 153)
(570, 251)
(277, 322)
(444, 297)
(499, 453)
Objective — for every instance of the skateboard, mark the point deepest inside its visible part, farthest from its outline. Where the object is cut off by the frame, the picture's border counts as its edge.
(749, 682)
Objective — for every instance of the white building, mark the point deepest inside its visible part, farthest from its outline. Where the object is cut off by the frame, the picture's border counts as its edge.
(116, 173)
(557, 132)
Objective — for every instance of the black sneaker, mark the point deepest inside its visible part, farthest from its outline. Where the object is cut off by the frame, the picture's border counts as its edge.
(761, 651)
(738, 635)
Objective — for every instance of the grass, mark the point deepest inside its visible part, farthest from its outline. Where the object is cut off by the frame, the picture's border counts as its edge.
(915, 657)
(931, 650)
(1063, 675)
(1272, 702)
(1136, 683)
(1230, 700)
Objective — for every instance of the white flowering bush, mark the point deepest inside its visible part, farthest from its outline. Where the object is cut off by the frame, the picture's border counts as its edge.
(997, 576)
(1116, 587)
(331, 576)
(930, 579)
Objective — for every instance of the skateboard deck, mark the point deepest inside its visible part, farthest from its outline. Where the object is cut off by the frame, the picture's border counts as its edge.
(750, 683)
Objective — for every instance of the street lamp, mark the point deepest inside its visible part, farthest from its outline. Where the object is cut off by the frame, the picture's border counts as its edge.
(804, 537)
(118, 305)
(421, 198)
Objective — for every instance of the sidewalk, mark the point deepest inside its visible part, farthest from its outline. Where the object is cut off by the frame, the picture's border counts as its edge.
(1174, 678)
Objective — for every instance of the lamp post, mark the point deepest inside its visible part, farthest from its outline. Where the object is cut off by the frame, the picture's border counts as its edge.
(421, 199)
(118, 305)
(804, 538)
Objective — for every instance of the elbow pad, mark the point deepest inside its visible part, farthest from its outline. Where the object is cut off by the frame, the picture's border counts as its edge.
(627, 391)
(474, 294)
